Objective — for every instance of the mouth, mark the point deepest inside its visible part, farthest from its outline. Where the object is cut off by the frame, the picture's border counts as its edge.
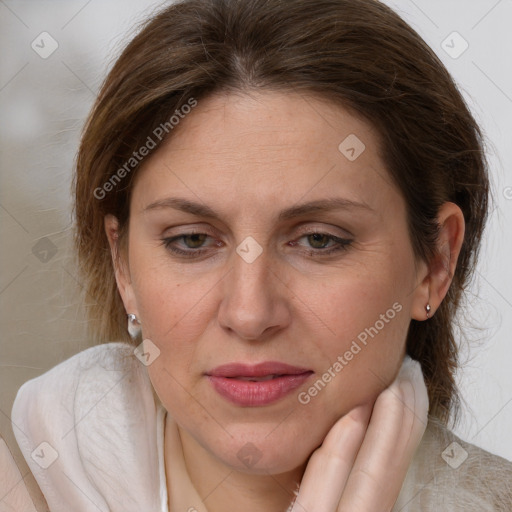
(256, 385)
(256, 379)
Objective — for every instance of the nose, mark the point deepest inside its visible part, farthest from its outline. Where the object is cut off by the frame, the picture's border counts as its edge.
(254, 304)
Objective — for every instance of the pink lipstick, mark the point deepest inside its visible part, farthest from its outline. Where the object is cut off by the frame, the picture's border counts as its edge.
(256, 385)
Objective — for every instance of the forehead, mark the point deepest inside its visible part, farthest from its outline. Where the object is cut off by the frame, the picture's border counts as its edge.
(267, 146)
(271, 121)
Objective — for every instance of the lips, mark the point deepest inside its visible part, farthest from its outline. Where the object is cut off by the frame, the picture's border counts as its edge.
(256, 385)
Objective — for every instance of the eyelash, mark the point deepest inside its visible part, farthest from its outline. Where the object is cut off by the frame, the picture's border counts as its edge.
(342, 244)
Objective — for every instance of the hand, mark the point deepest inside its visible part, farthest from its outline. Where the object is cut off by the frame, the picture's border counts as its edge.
(14, 494)
(361, 467)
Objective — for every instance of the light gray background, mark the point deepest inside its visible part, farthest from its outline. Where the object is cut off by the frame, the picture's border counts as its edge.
(43, 105)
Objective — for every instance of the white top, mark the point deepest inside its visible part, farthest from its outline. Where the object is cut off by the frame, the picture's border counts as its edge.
(160, 429)
(92, 432)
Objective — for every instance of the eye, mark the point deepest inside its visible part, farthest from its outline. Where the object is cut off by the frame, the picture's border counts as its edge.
(318, 240)
(323, 243)
(194, 240)
(193, 244)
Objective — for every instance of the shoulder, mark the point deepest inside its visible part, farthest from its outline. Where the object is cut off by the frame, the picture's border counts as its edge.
(49, 399)
(452, 475)
(91, 422)
(70, 371)
(94, 369)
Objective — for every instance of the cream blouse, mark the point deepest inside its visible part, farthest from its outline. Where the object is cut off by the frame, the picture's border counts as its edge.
(92, 432)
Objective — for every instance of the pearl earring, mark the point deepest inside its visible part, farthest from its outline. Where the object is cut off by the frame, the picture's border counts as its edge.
(133, 325)
(427, 309)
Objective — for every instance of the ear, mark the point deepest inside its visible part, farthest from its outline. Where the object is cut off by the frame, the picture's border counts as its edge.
(121, 267)
(439, 272)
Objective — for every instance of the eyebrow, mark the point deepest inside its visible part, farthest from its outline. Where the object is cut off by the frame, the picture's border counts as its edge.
(319, 206)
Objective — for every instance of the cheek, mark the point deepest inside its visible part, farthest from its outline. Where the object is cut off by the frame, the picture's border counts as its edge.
(173, 320)
(173, 313)
(362, 339)
(170, 301)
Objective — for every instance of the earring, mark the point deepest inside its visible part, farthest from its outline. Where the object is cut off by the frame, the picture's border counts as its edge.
(133, 325)
(427, 309)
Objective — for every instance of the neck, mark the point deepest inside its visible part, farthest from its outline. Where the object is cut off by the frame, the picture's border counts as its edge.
(223, 488)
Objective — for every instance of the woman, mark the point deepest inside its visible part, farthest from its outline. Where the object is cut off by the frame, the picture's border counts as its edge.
(281, 204)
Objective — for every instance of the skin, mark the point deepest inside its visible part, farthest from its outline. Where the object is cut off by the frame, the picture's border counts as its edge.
(248, 157)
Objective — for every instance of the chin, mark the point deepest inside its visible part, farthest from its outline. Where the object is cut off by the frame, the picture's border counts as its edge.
(261, 453)
(264, 463)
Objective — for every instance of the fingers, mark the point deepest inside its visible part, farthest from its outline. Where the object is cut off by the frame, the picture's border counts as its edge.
(395, 430)
(329, 467)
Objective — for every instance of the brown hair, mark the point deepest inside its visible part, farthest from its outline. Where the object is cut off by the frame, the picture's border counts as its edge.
(358, 53)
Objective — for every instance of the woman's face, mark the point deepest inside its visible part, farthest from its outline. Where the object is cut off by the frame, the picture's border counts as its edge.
(264, 231)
